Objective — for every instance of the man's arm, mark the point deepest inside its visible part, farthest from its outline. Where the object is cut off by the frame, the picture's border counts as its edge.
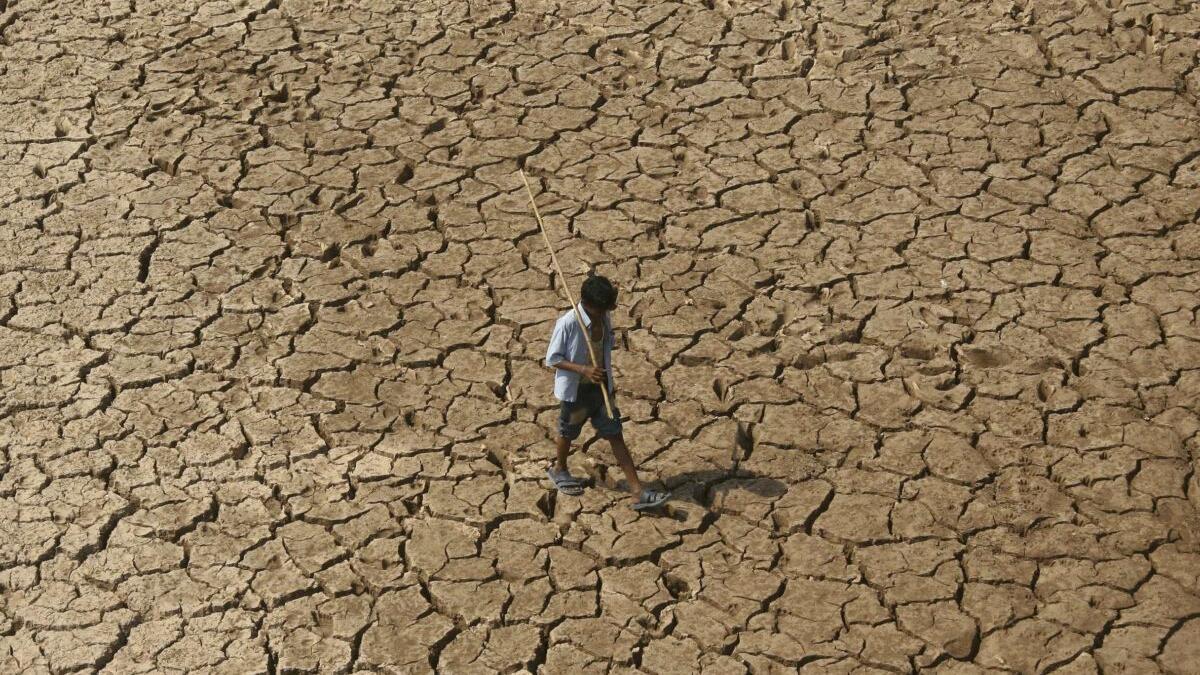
(556, 351)
(576, 368)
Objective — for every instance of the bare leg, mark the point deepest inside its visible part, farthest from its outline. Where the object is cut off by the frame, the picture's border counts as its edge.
(621, 451)
(563, 446)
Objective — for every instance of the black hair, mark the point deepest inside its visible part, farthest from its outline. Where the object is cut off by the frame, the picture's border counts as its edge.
(599, 292)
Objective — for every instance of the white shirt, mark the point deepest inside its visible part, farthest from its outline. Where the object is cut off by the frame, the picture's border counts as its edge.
(569, 343)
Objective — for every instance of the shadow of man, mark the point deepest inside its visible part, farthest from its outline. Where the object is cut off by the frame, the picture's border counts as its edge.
(733, 490)
(725, 490)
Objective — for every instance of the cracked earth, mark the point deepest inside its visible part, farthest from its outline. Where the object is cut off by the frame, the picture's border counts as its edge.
(908, 324)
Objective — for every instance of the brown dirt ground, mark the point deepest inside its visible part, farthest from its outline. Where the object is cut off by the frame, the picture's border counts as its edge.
(910, 297)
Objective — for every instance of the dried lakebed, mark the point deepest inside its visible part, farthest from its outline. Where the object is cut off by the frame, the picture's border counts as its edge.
(909, 325)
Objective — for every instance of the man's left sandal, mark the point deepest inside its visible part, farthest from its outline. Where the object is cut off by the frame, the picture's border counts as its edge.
(565, 482)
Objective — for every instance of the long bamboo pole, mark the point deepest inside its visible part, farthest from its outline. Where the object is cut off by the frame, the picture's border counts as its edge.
(566, 289)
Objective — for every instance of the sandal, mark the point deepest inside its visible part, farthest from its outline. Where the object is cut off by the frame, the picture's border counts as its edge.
(650, 499)
(565, 482)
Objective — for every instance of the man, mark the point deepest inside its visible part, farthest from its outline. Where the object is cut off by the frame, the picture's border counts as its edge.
(577, 386)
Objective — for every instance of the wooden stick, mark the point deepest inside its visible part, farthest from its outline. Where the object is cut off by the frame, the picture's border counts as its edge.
(578, 317)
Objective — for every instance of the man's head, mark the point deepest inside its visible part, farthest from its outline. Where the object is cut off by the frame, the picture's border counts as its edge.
(598, 295)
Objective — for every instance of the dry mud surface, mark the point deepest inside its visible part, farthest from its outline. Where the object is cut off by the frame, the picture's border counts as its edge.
(909, 325)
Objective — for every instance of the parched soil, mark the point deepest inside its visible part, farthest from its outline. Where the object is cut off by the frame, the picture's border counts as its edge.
(908, 323)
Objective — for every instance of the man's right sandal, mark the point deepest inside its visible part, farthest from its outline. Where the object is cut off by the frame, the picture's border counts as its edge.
(651, 498)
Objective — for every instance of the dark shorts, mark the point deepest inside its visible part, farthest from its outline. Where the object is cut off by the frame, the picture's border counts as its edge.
(588, 404)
